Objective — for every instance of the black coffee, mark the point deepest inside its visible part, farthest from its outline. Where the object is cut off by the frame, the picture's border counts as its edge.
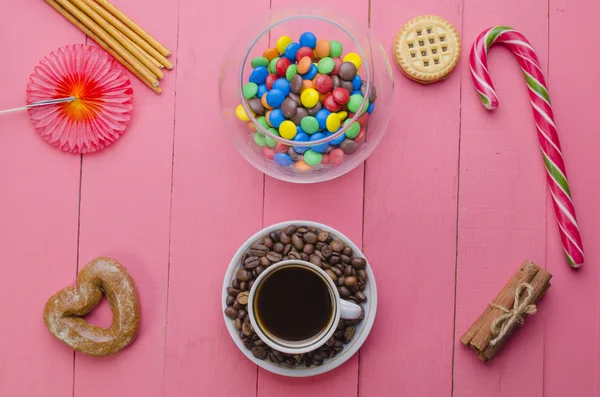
(293, 303)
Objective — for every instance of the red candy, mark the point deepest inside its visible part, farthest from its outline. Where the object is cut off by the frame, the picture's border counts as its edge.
(280, 148)
(363, 120)
(270, 80)
(305, 52)
(341, 95)
(281, 66)
(323, 84)
(360, 138)
(325, 159)
(337, 62)
(268, 152)
(336, 157)
(330, 104)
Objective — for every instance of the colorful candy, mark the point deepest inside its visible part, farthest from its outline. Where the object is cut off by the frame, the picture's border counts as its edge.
(304, 92)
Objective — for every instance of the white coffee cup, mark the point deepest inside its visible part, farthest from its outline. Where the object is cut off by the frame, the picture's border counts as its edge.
(341, 309)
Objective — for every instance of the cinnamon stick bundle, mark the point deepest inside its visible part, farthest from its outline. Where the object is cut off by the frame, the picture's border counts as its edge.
(530, 283)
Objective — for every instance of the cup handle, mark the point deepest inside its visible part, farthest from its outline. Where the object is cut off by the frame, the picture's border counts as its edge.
(349, 310)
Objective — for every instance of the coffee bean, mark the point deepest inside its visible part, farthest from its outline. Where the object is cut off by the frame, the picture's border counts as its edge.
(336, 245)
(358, 320)
(354, 288)
(302, 230)
(330, 342)
(268, 242)
(237, 305)
(274, 256)
(250, 284)
(297, 242)
(340, 266)
(347, 251)
(233, 291)
(231, 312)
(247, 328)
(308, 249)
(295, 255)
(265, 262)
(339, 334)
(340, 281)
(304, 256)
(359, 263)
(251, 262)
(338, 346)
(341, 325)
(348, 271)
(254, 273)
(259, 342)
(361, 275)
(243, 275)
(244, 286)
(349, 333)
(230, 299)
(276, 356)
(259, 250)
(278, 247)
(347, 71)
(291, 229)
(344, 292)
(248, 343)
(323, 237)
(346, 259)
(242, 314)
(337, 271)
(310, 237)
(259, 270)
(319, 355)
(274, 236)
(286, 258)
(237, 323)
(259, 352)
(360, 296)
(331, 275)
(315, 260)
(287, 249)
(235, 284)
(285, 238)
(349, 146)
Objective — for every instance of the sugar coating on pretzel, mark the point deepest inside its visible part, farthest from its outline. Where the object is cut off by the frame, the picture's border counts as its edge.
(64, 309)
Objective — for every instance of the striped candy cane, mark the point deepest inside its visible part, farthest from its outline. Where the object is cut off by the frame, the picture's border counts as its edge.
(544, 120)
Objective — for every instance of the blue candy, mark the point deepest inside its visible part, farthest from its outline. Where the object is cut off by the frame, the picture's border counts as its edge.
(282, 85)
(318, 148)
(291, 50)
(312, 72)
(371, 107)
(275, 98)
(308, 39)
(337, 140)
(356, 92)
(357, 83)
(321, 117)
(276, 117)
(301, 137)
(283, 159)
(259, 75)
(262, 90)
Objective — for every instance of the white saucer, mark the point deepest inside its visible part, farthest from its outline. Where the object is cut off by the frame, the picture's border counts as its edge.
(362, 329)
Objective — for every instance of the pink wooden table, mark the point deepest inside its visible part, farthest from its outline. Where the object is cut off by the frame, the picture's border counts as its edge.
(444, 215)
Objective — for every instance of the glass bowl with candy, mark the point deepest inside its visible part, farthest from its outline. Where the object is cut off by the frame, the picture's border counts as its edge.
(306, 97)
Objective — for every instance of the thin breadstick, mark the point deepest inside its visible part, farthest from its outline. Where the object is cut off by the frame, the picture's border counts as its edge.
(117, 36)
(146, 49)
(101, 43)
(144, 53)
(134, 26)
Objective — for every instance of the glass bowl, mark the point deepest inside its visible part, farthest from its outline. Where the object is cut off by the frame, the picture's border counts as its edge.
(309, 127)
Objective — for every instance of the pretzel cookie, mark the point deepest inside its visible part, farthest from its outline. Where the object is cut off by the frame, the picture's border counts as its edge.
(64, 309)
(427, 49)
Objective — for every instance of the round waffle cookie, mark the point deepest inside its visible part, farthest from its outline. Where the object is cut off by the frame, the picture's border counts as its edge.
(427, 49)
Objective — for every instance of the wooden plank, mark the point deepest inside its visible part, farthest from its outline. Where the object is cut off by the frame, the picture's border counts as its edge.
(217, 205)
(38, 213)
(502, 206)
(125, 214)
(337, 203)
(410, 224)
(571, 346)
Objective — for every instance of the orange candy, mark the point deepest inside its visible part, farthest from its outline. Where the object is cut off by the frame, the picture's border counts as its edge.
(304, 65)
(322, 96)
(307, 84)
(322, 49)
(267, 117)
(270, 54)
(251, 126)
(302, 166)
(263, 100)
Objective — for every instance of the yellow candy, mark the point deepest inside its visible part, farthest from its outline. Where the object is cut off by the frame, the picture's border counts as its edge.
(332, 122)
(282, 43)
(287, 129)
(309, 97)
(342, 115)
(354, 58)
(239, 112)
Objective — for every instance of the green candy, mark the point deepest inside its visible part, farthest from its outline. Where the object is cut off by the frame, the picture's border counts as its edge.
(291, 71)
(309, 124)
(312, 158)
(259, 138)
(326, 65)
(262, 120)
(259, 61)
(335, 48)
(355, 102)
(354, 129)
(250, 90)
(273, 65)
(270, 141)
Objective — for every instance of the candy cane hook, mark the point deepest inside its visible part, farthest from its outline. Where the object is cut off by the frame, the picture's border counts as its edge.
(544, 120)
